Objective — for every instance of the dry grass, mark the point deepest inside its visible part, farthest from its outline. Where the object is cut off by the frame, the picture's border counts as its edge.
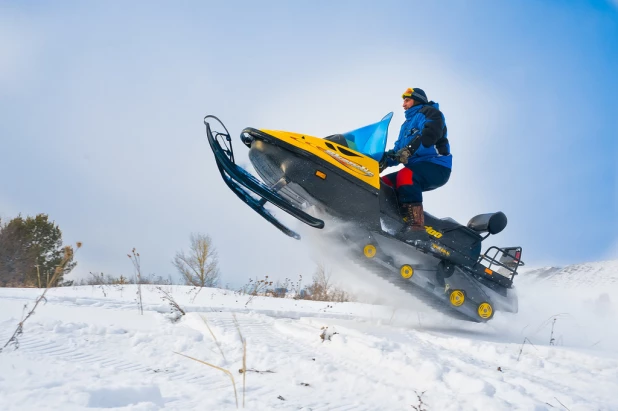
(256, 288)
(98, 278)
(135, 259)
(214, 338)
(243, 370)
(421, 405)
(227, 372)
(175, 307)
(522, 347)
(322, 288)
(68, 254)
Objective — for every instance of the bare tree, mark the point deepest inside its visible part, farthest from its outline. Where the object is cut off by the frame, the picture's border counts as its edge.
(199, 267)
(322, 289)
(321, 286)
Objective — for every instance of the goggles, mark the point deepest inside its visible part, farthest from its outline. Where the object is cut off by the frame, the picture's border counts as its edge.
(410, 93)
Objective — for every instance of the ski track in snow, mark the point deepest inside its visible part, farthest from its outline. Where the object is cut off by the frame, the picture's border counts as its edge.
(85, 351)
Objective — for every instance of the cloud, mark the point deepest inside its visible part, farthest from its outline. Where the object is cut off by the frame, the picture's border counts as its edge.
(19, 46)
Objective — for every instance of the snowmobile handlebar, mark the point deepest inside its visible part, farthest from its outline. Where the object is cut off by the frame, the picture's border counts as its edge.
(391, 154)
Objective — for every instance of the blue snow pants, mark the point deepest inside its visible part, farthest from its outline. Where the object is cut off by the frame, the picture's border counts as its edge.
(413, 179)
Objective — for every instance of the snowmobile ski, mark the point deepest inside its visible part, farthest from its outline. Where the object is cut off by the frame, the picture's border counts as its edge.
(239, 181)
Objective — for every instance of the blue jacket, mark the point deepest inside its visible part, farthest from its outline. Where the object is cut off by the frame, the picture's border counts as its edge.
(426, 121)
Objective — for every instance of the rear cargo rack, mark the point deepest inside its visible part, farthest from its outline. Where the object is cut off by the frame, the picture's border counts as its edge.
(503, 261)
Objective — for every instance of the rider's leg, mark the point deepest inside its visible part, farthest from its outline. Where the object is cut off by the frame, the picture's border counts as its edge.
(411, 181)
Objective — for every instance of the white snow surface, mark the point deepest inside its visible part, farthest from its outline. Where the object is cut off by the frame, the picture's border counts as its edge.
(88, 348)
(595, 275)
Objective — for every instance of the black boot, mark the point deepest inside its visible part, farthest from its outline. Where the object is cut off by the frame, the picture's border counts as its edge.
(414, 217)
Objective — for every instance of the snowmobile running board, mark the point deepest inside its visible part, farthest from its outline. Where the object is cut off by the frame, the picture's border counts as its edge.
(239, 181)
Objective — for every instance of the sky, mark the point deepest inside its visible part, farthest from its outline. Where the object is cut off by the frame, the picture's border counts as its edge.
(103, 103)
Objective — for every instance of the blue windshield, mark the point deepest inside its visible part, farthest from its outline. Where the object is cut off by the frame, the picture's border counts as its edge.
(370, 140)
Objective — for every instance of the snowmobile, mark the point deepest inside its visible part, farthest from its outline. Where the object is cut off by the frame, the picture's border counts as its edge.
(339, 176)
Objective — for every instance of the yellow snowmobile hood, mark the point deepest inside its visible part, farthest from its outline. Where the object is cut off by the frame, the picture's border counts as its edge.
(352, 162)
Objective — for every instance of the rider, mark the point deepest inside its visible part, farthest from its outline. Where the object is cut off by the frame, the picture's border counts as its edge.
(422, 147)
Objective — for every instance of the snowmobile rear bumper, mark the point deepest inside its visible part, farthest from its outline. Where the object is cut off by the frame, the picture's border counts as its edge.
(247, 187)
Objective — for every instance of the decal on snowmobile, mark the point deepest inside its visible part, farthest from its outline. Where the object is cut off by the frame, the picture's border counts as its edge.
(441, 250)
(433, 232)
(350, 164)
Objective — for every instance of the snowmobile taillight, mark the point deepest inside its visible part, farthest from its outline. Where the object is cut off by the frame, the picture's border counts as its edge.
(488, 271)
(320, 174)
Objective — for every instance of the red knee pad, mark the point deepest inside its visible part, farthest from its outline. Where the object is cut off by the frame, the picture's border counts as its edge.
(404, 177)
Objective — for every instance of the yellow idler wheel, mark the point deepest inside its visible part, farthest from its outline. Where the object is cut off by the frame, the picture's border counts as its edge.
(406, 271)
(370, 251)
(485, 311)
(457, 298)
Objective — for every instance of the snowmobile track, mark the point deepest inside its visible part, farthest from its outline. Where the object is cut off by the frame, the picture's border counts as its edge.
(390, 275)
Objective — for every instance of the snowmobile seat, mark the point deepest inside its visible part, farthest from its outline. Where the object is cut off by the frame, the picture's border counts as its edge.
(459, 237)
(492, 223)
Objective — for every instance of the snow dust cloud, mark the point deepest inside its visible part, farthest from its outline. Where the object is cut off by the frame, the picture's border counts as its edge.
(586, 317)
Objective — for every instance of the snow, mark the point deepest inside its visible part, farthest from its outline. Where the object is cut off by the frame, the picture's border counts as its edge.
(88, 348)
(590, 275)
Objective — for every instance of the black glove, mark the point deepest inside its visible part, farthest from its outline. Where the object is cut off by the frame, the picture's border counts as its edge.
(384, 160)
(405, 153)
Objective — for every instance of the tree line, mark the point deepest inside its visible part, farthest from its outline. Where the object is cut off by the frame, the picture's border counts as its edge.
(32, 255)
(30, 250)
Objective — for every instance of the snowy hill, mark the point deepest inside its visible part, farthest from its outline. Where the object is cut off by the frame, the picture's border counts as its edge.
(89, 348)
(589, 275)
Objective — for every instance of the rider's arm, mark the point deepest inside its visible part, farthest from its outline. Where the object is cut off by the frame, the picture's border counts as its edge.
(433, 127)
